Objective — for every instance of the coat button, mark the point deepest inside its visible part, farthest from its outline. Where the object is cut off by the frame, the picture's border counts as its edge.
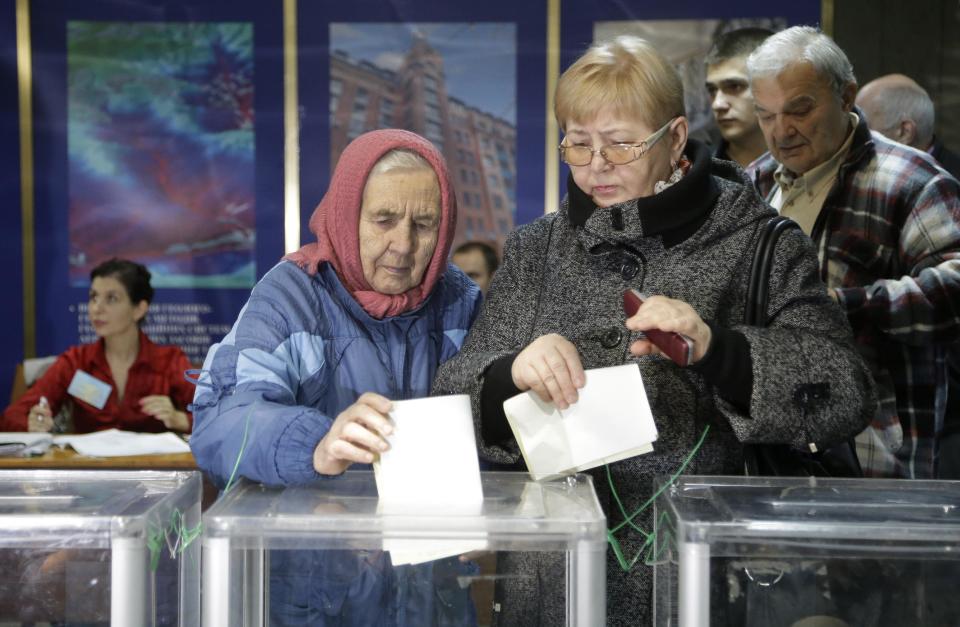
(611, 337)
(628, 270)
(624, 265)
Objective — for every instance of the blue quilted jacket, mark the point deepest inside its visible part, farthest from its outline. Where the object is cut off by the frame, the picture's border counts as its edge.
(301, 351)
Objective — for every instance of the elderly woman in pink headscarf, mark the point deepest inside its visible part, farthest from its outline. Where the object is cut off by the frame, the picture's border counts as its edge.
(302, 384)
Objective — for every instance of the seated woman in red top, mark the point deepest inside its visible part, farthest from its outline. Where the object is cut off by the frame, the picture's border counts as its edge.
(124, 380)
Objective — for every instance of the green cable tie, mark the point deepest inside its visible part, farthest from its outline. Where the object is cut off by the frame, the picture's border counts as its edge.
(154, 544)
(650, 539)
(184, 536)
(243, 447)
(175, 535)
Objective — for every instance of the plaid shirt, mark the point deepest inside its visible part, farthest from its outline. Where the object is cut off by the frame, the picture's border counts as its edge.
(888, 237)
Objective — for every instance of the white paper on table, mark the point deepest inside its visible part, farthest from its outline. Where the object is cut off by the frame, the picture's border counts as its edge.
(430, 468)
(27, 438)
(610, 421)
(116, 443)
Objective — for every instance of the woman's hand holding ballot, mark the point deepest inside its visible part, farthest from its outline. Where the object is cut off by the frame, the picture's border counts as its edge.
(551, 367)
(356, 436)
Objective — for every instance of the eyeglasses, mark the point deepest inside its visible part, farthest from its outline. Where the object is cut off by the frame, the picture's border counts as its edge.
(614, 154)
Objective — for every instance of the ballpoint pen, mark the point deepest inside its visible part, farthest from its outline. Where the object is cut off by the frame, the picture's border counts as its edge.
(45, 404)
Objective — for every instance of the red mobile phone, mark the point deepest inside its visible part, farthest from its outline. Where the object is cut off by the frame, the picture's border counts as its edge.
(677, 347)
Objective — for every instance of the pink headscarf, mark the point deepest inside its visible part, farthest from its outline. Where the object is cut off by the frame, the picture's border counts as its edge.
(336, 222)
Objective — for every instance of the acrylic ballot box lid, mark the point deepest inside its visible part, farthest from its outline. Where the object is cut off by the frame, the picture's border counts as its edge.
(344, 512)
(87, 509)
(789, 515)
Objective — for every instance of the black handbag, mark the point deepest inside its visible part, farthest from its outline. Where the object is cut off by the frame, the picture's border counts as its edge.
(782, 460)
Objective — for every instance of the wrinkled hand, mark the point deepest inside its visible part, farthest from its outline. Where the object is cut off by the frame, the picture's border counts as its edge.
(40, 418)
(161, 408)
(550, 366)
(667, 314)
(356, 436)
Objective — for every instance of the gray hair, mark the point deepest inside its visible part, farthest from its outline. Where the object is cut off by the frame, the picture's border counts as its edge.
(400, 159)
(802, 43)
(904, 102)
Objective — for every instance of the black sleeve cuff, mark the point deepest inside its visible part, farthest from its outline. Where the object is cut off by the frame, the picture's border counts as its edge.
(497, 387)
(727, 366)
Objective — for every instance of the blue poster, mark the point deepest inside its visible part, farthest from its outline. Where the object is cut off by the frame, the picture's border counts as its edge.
(160, 128)
(159, 138)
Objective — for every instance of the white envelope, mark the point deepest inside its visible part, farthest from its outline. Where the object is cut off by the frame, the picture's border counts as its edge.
(611, 421)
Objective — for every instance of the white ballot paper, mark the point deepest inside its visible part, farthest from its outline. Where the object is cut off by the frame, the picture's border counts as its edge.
(116, 443)
(610, 421)
(22, 443)
(106, 443)
(431, 468)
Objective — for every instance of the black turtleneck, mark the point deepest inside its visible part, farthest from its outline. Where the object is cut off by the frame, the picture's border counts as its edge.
(674, 215)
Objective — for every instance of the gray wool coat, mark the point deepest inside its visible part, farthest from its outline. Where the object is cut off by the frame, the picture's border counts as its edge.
(554, 280)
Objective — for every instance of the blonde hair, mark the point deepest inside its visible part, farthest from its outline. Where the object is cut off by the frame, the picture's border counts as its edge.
(626, 75)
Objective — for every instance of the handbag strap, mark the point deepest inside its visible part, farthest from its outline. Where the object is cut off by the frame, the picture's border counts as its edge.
(758, 286)
(755, 308)
(755, 314)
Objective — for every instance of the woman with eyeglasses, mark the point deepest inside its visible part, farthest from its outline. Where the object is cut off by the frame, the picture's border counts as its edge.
(648, 209)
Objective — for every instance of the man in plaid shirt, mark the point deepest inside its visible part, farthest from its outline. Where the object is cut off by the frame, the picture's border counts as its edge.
(886, 222)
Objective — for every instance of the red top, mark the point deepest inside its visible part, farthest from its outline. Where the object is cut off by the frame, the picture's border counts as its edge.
(157, 370)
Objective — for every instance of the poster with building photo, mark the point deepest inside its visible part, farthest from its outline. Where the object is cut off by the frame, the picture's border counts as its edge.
(685, 43)
(453, 83)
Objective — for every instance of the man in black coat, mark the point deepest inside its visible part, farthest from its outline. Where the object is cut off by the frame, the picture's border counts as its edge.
(900, 109)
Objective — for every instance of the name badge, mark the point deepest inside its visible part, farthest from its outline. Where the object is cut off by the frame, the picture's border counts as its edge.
(89, 389)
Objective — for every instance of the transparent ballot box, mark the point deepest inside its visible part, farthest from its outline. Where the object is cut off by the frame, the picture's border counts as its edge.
(331, 554)
(99, 548)
(759, 551)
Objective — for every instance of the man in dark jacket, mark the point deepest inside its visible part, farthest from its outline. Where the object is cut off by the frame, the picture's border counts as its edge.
(886, 223)
(900, 109)
(730, 97)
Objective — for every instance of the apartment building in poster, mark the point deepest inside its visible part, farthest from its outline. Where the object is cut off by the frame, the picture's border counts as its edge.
(479, 147)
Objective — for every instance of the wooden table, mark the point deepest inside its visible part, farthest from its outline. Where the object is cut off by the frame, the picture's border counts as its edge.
(68, 459)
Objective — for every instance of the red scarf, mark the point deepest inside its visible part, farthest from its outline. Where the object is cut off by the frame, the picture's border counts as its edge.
(336, 222)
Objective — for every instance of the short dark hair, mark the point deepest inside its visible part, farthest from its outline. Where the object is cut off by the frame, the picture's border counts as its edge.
(489, 254)
(736, 43)
(134, 277)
